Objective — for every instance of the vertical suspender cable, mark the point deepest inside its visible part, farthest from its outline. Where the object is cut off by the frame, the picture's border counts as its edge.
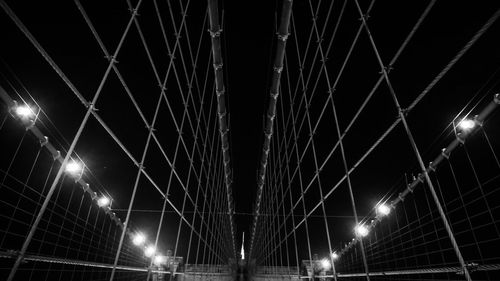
(90, 108)
(215, 31)
(282, 36)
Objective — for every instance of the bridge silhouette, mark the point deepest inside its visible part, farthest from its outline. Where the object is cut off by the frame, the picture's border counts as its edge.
(134, 145)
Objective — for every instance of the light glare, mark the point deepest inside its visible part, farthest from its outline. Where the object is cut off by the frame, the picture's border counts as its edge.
(325, 264)
(139, 239)
(103, 201)
(159, 260)
(361, 230)
(467, 124)
(335, 256)
(24, 111)
(383, 209)
(150, 251)
(73, 167)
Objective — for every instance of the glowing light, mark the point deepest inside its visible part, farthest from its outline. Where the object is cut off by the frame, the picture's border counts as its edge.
(139, 239)
(361, 231)
(383, 209)
(159, 260)
(467, 124)
(150, 251)
(103, 201)
(325, 264)
(73, 167)
(23, 111)
(335, 256)
(242, 252)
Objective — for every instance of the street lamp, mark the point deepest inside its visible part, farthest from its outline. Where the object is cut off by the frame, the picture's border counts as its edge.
(325, 264)
(335, 256)
(467, 124)
(159, 260)
(383, 210)
(103, 201)
(138, 239)
(74, 168)
(361, 231)
(23, 111)
(149, 251)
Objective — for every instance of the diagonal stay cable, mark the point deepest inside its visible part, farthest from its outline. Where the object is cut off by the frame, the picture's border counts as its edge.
(215, 32)
(97, 37)
(301, 78)
(185, 112)
(337, 79)
(163, 87)
(77, 93)
(90, 109)
(282, 37)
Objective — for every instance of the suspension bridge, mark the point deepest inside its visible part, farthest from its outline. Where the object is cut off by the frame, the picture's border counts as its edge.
(134, 145)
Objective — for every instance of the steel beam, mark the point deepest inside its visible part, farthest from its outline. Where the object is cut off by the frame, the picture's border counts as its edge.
(439, 270)
(55, 260)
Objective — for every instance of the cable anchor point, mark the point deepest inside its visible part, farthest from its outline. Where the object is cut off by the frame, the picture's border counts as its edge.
(112, 59)
(134, 12)
(216, 33)
(282, 37)
(57, 155)
(218, 66)
(445, 153)
(364, 17)
(44, 142)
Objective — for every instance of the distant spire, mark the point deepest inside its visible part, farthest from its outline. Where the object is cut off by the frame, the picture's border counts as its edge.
(242, 248)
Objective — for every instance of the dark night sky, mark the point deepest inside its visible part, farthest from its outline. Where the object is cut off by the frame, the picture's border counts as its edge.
(248, 51)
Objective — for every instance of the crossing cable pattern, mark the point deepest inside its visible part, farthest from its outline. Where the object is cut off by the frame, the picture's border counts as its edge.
(215, 33)
(332, 139)
(188, 172)
(282, 36)
(302, 178)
